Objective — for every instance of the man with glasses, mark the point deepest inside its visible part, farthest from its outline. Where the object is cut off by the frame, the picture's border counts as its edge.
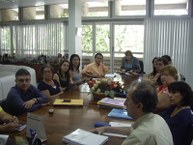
(96, 69)
(148, 128)
(24, 97)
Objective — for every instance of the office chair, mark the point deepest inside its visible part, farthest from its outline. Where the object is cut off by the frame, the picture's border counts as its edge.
(141, 66)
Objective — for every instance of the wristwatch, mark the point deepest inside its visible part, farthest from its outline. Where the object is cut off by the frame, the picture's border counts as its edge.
(35, 100)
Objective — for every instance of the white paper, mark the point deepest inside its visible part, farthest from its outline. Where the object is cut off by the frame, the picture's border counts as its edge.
(115, 134)
(120, 124)
(82, 137)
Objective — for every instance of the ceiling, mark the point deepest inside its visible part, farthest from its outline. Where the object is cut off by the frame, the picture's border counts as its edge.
(7, 4)
(26, 3)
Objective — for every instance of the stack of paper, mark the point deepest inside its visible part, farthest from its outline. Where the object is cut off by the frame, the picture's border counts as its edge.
(69, 102)
(117, 124)
(82, 137)
(109, 75)
(112, 102)
(119, 113)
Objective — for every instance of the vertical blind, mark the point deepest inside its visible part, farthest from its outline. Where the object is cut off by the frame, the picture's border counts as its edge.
(172, 37)
(33, 39)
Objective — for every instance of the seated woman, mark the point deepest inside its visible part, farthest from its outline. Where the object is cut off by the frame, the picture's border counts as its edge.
(48, 86)
(130, 63)
(169, 75)
(154, 72)
(8, 123)
(63, 76)
(75, 74)
(179, 115)
(155, 76)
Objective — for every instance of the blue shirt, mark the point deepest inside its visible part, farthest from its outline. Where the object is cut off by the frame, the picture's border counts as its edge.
(178, 124)
(134, 65)
(16, 98)
(42, 86)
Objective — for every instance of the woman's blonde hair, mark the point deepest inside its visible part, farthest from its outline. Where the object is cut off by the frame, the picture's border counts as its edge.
(171, 70)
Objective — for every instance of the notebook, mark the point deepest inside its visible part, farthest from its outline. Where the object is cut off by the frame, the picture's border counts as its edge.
(69, 102)
(112, 102)
(119, 113)
(82, 137)
(35, 123)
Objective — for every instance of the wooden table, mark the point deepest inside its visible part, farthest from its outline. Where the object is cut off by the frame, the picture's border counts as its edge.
(66, 119)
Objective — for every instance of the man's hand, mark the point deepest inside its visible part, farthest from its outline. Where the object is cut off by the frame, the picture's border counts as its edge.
(29, 104)
(9, 127)
(99, 130)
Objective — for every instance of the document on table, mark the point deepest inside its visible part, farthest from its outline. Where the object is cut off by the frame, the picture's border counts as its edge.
(117, 124)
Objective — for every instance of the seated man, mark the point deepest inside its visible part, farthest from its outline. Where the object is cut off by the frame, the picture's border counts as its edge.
(24, 97)
(148, 128)
(8, 123)
(96, 69)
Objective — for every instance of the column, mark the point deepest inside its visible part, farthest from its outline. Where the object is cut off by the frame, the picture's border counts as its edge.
(75, 26)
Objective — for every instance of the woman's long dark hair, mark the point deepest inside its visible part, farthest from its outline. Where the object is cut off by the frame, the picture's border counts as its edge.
(154, 72)
(67, 75)
(71, 58)
(185, 90)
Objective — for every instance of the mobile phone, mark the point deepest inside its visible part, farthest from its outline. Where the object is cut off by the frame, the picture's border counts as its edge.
(66, 100)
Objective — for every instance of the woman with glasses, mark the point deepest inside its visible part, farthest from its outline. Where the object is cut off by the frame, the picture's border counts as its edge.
(48, 86)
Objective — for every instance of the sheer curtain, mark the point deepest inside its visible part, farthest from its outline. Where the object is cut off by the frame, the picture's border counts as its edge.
(171, 36)
(37, 39)
(33, 39)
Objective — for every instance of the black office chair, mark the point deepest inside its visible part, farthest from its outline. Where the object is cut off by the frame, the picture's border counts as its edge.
(141, 66)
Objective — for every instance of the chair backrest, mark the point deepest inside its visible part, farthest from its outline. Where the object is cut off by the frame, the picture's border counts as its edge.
(3, 104)
(141, 66)
(189, 136)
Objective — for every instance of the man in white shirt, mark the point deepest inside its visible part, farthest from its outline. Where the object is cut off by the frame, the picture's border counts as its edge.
(148, 128)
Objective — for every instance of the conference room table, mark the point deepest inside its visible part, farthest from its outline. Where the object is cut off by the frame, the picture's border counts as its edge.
(66, 119)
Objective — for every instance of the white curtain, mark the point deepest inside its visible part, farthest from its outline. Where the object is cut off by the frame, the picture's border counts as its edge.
(171, 36)
(33, 39)
(37, 39)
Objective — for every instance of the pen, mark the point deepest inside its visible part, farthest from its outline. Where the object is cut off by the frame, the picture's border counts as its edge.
(33, 135)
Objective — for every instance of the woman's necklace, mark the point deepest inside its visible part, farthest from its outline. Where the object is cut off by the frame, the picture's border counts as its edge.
(177, 110)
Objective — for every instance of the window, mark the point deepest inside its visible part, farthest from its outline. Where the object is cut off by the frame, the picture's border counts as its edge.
(171, 7)
(34, 39)
(5, 40)
(130, 7)
(102, 39)
(95, 9)
(87, 39)
(129, 37)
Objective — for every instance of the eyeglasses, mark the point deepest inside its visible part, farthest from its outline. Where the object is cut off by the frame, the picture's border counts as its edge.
(24, 80)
